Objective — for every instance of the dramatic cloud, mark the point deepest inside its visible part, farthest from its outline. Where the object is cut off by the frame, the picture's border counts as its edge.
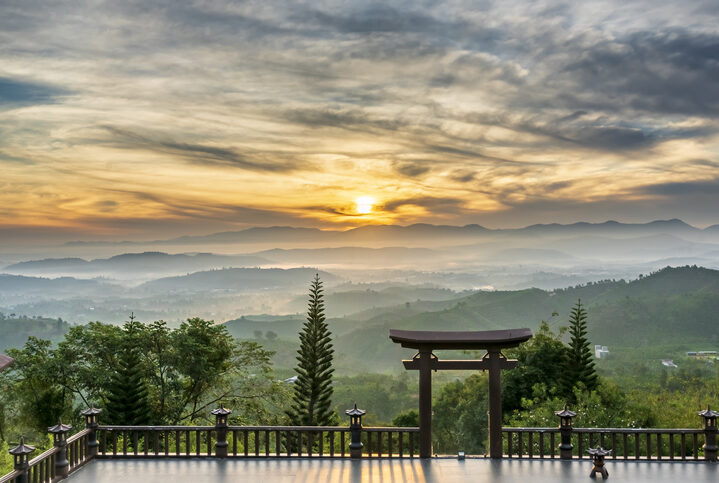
(132, 117)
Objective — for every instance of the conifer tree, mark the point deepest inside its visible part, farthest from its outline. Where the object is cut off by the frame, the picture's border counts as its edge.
(127, 395)
(313, 389)
(579, 363)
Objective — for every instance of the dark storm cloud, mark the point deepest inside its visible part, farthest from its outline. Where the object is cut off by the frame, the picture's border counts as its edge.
(353, 118)
(442, 205)
(694, 188)
(200, 153)
(412, 169)
(673, 72)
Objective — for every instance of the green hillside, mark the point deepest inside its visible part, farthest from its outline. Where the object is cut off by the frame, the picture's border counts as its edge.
(670, 308)
(15, 331)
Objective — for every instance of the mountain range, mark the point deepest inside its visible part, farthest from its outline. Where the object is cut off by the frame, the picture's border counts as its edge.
(420, 234)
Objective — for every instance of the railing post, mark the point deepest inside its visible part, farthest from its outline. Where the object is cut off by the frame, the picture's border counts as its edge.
(59, 437)
(710, 433)
(565, 429)
(91, 423)
(355, 431)
(221, 444)
(20, 454)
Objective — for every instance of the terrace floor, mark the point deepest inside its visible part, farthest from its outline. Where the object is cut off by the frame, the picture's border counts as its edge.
(445, 470)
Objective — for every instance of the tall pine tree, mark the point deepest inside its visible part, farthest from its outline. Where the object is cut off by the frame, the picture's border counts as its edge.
(127, 394)
(313, 389)
(579, 363)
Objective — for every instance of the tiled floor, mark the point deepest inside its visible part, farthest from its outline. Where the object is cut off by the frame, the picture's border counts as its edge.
(383, 471)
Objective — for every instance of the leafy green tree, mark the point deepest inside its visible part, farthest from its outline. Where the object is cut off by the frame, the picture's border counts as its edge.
(578, 367)
(127, 395)
(313, 389)
(540, 361)
(204, 357)
(407, 419)
(460, 416)
(41, 399)
(605, 407)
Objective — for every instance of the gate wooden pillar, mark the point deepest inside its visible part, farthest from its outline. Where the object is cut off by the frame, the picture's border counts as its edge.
(425, 362)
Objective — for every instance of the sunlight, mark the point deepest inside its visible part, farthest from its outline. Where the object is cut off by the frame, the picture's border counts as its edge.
(365, 204)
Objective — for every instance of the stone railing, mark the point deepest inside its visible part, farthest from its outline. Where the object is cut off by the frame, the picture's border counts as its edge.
(354, 441)
(218, 441)
(624, 443)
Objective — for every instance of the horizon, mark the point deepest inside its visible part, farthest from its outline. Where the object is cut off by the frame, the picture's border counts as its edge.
(109, 240)
(146, 120)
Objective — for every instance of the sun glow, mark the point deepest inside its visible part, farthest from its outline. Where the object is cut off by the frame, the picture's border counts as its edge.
(365, 204)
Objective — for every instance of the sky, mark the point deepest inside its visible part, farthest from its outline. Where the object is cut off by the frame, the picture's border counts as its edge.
(151, 119)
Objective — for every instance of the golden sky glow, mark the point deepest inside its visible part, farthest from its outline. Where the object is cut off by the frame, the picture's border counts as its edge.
(121, 119)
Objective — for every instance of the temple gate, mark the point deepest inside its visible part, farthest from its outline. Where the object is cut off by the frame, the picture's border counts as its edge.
(493, 341)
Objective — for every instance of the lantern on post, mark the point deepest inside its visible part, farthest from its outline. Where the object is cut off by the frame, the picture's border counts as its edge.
(598, 455)
(91, 414)
(59, 437)
(565, 429)
(221, 444)
(20, 454)
(709, 426)
(91, 423)
(356, 431)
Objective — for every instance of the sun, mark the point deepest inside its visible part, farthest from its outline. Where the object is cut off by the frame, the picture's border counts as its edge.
(364, 204)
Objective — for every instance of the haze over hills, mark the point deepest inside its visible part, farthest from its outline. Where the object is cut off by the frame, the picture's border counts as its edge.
(134, 265)
(417, 235)
(238, 279)
(667, 313)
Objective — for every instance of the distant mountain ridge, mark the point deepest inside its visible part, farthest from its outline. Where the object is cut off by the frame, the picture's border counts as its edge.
(146, 262)
(239, 279)
(404, 233)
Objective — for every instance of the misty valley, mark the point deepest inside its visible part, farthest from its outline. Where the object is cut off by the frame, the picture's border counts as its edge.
(416, 277)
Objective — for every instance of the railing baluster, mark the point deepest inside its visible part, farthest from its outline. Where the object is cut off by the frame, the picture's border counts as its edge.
(614, 446)
(580, 445)
(519, 445)
(245, 442)
(649, 446)
(411, 445)
(277, 444)
(198, 442)
(695, 438)
(552, 444)
(684, 446)
(332, 444)
(530, 444)
(124, 443)
(636, 446)
(541, 444)
(342, 443)
(400, 444)
(671, 446)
